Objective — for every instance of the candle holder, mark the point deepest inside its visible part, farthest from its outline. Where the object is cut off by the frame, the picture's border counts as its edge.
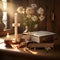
(12, 43)
(8, 43)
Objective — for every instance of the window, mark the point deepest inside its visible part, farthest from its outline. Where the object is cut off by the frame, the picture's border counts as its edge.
(4, 19)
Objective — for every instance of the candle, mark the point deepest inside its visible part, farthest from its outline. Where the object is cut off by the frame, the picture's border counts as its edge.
(16, 33)
(8, 36)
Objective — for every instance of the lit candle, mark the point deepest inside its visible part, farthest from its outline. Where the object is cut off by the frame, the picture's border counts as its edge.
(8, 36)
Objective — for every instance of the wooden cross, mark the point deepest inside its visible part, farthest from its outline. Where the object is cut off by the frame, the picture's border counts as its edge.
(16, 25)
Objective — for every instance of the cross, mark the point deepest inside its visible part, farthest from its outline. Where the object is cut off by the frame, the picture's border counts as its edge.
(16, 25)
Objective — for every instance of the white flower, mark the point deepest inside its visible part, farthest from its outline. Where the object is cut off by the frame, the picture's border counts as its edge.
(30, 16)
(34, 18)
(41, 17)
(36, 25)
(33, 6)
(21, 10)
(40, 10)
(29, 10)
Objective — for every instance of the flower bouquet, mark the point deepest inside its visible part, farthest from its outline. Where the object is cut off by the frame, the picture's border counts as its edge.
(31, 16)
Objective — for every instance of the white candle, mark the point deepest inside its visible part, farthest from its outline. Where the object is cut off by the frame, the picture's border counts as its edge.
(16, 27)
(8, 36)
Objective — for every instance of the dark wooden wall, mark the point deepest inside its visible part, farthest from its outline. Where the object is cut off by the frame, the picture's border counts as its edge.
(57, 22)
(57, 16)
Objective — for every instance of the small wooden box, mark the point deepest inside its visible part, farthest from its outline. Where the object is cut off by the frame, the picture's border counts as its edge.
(42, 37)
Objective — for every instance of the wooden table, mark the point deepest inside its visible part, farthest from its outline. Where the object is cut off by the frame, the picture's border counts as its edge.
(27, 54)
